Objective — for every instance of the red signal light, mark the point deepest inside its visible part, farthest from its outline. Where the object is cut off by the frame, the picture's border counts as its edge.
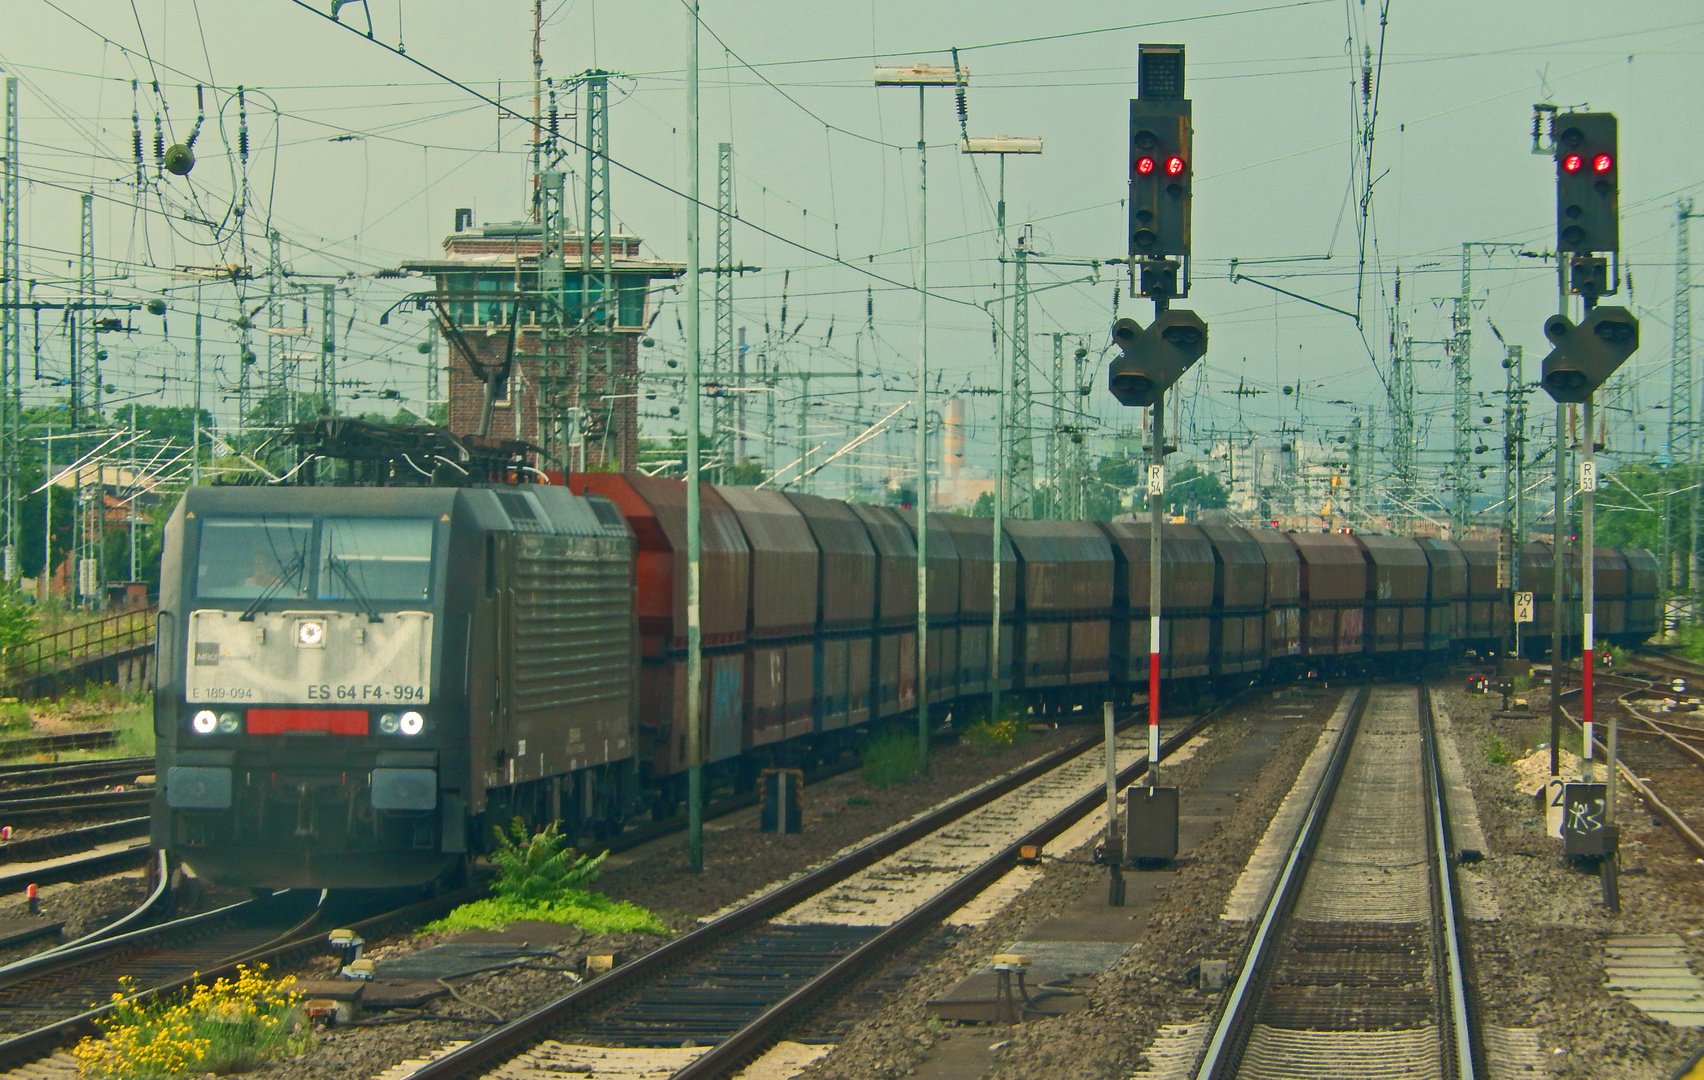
(1602, 163)
(1572, 163)
(1145, 165)
(1174, 165)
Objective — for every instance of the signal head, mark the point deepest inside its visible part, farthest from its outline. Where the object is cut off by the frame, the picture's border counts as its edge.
(1557, 327)
(1587, 202)
(1124, 333)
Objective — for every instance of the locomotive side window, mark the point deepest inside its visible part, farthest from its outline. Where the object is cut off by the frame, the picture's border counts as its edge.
(243, 558)
(375, 559)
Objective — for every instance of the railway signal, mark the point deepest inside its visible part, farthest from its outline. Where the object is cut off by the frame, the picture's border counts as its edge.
(1151, 359)
(1587, 185)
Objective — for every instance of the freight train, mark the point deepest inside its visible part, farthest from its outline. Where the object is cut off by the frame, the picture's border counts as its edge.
(356, 683)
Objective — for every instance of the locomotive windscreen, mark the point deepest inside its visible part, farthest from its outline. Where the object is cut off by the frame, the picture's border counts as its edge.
(242, 558)
(375, 559)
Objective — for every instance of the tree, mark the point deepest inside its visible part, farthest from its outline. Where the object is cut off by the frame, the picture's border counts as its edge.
(1189, 487)
(174, 422)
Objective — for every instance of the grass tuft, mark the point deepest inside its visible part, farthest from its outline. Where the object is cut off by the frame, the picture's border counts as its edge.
(992, 735)
(890, 759)
(593, 912)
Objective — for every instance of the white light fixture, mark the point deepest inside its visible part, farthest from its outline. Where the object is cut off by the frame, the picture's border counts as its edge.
(922, 75)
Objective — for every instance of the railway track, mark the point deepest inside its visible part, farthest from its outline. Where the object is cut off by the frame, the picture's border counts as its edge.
(97, 739)
(71, 841)
(1674, 734)
(1358, 960)
(81, 804)
(730, 988)
(28, 772)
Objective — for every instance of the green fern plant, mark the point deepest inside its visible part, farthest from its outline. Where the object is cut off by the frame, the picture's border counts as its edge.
(540, 867)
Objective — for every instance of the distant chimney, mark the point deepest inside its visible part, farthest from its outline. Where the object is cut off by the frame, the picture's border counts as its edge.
(464, 219)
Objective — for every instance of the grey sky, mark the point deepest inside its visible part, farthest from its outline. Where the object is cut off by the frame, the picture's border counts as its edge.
(1275, 116)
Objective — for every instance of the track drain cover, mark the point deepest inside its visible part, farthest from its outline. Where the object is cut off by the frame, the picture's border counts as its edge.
(452, 961)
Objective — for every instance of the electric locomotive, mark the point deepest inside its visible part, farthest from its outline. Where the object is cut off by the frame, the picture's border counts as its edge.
(354, 683)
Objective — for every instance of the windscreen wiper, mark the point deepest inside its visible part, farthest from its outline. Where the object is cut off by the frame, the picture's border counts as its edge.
(340, 567)
(292, 576)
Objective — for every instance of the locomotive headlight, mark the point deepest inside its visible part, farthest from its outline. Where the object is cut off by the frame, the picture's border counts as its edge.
(230, 723)
(411, 723)
(310, 633)
(388, 723)
(205, 722)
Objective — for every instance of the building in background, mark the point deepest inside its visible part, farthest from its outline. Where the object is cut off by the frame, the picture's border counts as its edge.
(489, 271)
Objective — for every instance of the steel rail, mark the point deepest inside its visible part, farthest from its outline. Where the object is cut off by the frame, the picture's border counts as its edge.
(76, 740)
(58, 805)
(1236, 1019)
(1660, 808)
(110, 778)
(509, 1040)
(72, 840)
(33, 769)
(1463, 1026)
(78, 869)
(1657, 726)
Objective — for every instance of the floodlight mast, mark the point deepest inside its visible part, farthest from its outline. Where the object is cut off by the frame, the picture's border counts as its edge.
(1000, 146)
(923, 77)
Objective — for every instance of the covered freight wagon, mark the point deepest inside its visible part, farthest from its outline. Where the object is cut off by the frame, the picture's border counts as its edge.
(846, 612)
(1065, 594)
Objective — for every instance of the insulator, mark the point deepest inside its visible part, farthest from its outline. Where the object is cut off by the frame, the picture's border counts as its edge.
(963, 107)
(1366, 84)
(553, 119)
(1537, 124)
(136, 136)
(870, 304)
(159, 141)
(242, 126)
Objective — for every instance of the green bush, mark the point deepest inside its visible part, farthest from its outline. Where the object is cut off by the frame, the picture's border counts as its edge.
(1691, 642)
(890, 759)
(17, 620)
(540, 867)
